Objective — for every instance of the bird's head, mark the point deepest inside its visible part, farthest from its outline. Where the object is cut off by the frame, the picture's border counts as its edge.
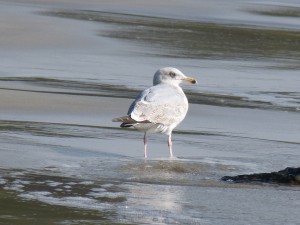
(170, 75)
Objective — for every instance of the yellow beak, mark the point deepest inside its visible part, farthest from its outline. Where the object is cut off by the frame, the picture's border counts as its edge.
(190, 80)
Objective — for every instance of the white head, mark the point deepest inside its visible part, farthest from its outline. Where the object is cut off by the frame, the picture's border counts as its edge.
(170, 75)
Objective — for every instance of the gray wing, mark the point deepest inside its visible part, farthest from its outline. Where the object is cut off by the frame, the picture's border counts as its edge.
(163, 104)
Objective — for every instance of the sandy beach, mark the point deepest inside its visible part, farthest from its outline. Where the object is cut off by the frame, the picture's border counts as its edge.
(68, 67)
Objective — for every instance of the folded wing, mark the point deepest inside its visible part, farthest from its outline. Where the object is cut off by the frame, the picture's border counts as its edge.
(160, 104)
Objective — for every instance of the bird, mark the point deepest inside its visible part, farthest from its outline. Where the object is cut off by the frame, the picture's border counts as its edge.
(160, 108)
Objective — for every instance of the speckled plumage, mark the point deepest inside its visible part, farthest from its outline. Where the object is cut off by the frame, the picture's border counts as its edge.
(159, 108)
(163, 105)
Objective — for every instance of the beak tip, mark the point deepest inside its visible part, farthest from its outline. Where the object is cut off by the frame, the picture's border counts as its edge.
(190, 80)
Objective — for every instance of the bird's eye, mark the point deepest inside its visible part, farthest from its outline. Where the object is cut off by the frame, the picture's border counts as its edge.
(172, 74)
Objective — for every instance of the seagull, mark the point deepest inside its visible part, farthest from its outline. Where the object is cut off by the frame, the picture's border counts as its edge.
(160, 108)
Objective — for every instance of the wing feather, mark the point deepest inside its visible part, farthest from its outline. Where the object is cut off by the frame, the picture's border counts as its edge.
(162, 104)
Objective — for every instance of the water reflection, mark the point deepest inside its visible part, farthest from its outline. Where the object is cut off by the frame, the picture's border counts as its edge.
(160, 204)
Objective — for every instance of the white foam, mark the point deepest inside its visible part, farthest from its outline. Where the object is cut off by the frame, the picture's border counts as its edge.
(14, 187)
(87, 182)
(98, 189)
(111, 195)
(76, 202)
(3, 181)
(53, 183)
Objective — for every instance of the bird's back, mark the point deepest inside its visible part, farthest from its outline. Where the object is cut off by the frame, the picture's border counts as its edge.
(163, 105)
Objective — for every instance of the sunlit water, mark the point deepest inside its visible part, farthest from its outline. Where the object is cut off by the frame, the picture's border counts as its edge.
(77, 66)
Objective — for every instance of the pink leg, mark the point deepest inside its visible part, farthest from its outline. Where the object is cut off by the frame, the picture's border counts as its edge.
(170, 146)
(145, 145)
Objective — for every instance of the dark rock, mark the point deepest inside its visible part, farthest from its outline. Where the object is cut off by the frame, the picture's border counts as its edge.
(289, 175)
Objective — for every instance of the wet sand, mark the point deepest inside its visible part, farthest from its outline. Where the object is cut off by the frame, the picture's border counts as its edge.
(29, 103)
(63, 78)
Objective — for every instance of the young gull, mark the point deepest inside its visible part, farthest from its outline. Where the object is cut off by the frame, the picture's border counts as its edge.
(160, 108)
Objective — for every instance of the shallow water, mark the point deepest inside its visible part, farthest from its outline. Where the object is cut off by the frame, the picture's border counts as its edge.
(67, 68)
(65, 176)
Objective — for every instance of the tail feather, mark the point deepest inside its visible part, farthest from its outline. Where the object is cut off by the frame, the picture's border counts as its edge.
(127, 121)
(124, 119)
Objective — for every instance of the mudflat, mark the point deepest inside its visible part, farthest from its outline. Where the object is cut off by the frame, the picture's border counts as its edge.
(68, 67)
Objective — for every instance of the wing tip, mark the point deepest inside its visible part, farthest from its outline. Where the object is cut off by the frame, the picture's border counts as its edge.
(127, 121)
(121, 119)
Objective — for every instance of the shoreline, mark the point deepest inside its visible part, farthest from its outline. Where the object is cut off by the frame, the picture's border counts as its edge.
(63, 80)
